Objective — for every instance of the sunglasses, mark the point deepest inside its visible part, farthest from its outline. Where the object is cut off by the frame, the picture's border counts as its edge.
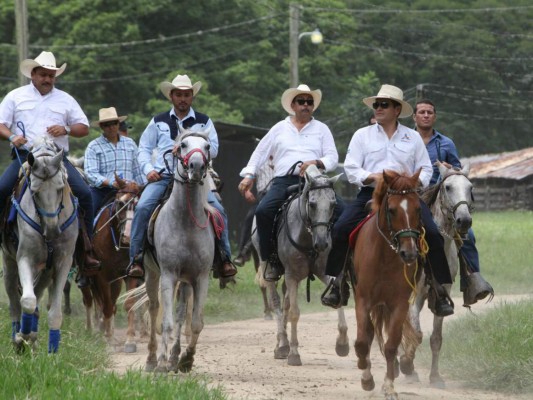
(382, 104)
(108, 124)
(309, 102)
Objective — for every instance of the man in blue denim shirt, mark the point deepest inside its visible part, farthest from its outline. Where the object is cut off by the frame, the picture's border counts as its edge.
(442, 148)
(160, 135)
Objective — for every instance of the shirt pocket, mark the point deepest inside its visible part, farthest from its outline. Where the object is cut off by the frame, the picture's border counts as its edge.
(404, 153)
(377, 149)
(57, 115)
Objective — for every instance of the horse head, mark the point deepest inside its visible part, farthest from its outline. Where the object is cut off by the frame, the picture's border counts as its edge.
(192, 151)
(126, 199)
(399, 218)
(456, 198)
(318, 203)
(48, 184)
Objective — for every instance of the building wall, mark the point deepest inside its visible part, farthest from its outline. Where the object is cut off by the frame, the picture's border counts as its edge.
(496, 194)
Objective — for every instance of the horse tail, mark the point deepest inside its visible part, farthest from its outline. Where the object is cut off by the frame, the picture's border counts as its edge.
(380, 316)
(138, 293)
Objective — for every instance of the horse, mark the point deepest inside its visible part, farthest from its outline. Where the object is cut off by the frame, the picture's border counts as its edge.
(303, 245)
(385, 259)
(451, 204)
(183, 250)
(111, 244)
(38, 252)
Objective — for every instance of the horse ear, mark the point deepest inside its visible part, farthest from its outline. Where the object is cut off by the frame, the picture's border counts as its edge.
(121, 182)
(57, 158)
(443, 170)
(466, 169)
(335, 178)
(417, 174)
(387, 177)
(31, 159)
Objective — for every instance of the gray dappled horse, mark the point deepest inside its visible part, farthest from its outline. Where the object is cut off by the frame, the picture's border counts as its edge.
(303, 245)
(184, 245)
(450, 202)
(47, 229)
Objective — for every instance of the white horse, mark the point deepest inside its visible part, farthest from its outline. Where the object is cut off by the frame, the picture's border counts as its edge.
(303, 245)
(46, 229)
(451, 203)
(184, 245)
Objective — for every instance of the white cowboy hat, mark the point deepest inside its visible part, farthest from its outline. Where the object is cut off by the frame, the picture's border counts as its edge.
(393, 93)
(46, 60)
(182, 82)
(108, 114)
(288, 96)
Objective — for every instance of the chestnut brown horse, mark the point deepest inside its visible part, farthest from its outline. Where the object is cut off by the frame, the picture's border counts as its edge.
(111, 244)
(386, 268)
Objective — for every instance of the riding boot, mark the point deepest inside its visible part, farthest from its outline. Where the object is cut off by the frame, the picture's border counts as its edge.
(473, 285)
(339, 292)
(244, 255)
(439, 302)
(90, 264)
(222, 265)
(273, 269)
(136, 268)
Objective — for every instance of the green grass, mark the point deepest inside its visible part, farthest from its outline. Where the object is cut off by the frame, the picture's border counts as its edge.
(79, 371)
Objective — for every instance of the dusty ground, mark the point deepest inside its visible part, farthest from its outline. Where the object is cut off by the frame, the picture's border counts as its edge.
(239, 357)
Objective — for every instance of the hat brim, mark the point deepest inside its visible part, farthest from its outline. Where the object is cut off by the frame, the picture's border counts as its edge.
(96, 124)
(407, 110)
(26, 66)
(167, 87)
(288, 96)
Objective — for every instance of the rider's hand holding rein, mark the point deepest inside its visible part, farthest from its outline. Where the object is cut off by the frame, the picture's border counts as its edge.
(245, 188)
(153, 176)
(19, 141)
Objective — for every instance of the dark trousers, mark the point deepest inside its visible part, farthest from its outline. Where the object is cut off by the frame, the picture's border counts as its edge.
(469, 251)
(268, 207)
(77, 184)
(354, 213)
(99, 195)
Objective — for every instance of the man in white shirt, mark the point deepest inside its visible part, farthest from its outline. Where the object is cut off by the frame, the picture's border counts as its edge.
(40, 109)
(374, 148)
(297, 138)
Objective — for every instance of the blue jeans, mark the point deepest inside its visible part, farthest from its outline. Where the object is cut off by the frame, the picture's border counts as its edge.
(75, 180)
(469, 251)
(99, 195)
(150, 197)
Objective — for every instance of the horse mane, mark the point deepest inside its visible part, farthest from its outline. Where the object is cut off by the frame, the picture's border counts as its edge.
(429, 195)
(398, 182)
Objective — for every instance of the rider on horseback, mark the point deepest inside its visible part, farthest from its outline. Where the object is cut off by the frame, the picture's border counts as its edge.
(160, 135)
(297, 137)
(36, 110)
(386, 145)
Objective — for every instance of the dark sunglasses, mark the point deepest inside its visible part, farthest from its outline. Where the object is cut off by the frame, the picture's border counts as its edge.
(309, 102)
(382, 104)
(108, 124)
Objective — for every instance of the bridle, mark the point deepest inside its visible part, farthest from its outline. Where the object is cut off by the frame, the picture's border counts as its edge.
(446, 201)
(184, 161)
(395, 236)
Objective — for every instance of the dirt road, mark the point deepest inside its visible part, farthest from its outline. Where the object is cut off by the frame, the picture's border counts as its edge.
(239, 357)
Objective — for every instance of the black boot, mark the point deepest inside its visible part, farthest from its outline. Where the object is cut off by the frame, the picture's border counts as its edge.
(336, 297)
(438, 301)
(273, 269)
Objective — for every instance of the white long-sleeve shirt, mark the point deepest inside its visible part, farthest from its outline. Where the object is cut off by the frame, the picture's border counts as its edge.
(371, 151)
(287, 146)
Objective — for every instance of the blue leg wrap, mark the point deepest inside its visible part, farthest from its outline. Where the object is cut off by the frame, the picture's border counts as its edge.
(27, 321)
(53, 340)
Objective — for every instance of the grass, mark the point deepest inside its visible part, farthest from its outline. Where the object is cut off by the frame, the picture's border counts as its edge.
(79, 371)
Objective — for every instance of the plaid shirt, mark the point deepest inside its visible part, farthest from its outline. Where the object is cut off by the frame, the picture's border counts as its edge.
(103, 159)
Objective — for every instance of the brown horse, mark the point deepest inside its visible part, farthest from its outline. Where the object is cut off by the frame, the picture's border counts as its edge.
(111, 244)
(385, 260)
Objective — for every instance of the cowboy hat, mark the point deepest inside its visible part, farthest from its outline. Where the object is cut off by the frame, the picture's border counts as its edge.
(393, 93)
(45, 60)
(108, 114)
(181, 82)
(288, 96)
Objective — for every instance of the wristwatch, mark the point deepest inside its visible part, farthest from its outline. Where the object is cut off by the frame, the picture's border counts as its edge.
(68, 129)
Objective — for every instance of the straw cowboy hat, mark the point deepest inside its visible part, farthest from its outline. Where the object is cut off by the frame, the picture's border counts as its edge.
(393, 93)
(46, 60)
(288, 96)
(182, 82)
(108, 114)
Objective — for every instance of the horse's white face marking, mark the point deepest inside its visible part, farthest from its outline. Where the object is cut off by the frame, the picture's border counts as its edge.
(404, 205)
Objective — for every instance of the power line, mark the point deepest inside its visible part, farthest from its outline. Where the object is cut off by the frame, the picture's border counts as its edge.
(411, 11)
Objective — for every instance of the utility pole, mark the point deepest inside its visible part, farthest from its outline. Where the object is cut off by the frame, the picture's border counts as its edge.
(21, 20)
(420, 92)
(294, 27)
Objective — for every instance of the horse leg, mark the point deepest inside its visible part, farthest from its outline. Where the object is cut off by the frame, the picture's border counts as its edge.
(152, 289)
(342, 346)
(168, 285)
(435, 341)
(197, 324)
(11, 286)
(183, 316)
(130, 346)
(407, 365)
(88, 302)
(292, 311)
(281, 351)
(363, 342)
(55, 314)
(267, 310)
(66, 294)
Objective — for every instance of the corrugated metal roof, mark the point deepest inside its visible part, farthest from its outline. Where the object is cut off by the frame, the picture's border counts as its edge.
(510, 165)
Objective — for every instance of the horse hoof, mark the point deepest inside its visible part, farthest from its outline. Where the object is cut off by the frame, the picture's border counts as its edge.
(161, 369)
(406, 366)
(391, 396)
(185, 366)
(437, 382)
(294, 360)
(368, 384)
(412, 377)
(130, 348)
(281, 353)
(268, 317)
(150, 366)
(342, 350)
